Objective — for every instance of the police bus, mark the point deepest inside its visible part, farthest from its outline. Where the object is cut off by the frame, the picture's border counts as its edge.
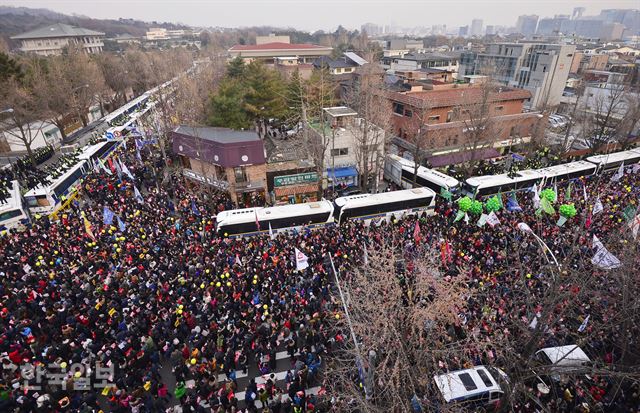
(612, 161)
(385, 205)
(401, 172)
(100, 150)
(12, 211)
(45, 199)
(480, 186)
(253, 221)
(566, 171)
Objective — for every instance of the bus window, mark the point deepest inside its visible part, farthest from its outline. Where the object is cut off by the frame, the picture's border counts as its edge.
(10, 214)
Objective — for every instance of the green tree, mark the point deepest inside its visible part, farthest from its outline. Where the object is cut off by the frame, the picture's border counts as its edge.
(265, 92)
(9, 68)
(227, 106)
(236, 68)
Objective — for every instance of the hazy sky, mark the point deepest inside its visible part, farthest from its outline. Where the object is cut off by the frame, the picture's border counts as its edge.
(322, 14)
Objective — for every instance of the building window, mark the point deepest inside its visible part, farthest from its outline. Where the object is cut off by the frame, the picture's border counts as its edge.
(241, 174)
(432, 119)
(449, 116)
(499, 108)
(398, 108)
(339, 151)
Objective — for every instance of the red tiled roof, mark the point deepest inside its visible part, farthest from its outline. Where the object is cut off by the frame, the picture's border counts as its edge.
(456, 97)
(276, 46)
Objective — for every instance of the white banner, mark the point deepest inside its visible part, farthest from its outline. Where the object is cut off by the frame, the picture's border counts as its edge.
(302, 261)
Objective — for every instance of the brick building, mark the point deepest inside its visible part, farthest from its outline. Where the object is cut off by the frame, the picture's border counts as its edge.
(226, 159)
(443, 116)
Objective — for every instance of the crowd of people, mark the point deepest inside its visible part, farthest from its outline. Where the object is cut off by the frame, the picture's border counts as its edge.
(130, 301)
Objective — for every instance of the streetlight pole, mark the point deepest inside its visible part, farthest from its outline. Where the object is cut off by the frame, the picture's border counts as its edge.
(367, 391)
(527, 229)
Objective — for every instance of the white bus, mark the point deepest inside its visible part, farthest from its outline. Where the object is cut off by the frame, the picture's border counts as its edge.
(100, 150)
(45, 199)
(612, 161)
(12, 211)
(566, 171)
(242, 222)
(400, 171)
(480, 186)
(385, 205)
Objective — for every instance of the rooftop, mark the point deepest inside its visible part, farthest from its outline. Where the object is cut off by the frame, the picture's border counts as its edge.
(340, 111)
(277, 46)
(57, 30)
(456, 96)
(221, 135)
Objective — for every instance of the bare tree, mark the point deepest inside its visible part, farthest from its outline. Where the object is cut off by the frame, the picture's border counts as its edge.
(308, 98)
(372, 130)
(478, 119)
(25, 120)
(601, 114)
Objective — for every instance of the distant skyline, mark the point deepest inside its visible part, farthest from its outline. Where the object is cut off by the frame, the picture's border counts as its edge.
(312, 15)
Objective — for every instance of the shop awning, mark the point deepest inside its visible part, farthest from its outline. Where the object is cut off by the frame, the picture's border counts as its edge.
(342, 172)
(457, 158)
(296, 189)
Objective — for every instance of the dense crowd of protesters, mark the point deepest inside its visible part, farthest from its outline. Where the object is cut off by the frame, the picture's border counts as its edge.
(143, 307)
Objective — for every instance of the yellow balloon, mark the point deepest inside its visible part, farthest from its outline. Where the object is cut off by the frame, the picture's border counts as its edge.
(266, 313)
(344, 256)
(50, 262)
(179, 312)
(77, 374)
(202, 285)
(207, 271)
(228, 284)
(144, 236)
(337, 316)
(40, 257)
(255, 277)
(193, 361)
(265, 306)
(225, 234)
(38, 264)
(55, 252)
(218, 284)
(115, 245)
(119, 250)
(181, 306)
(255, 281)
(63, 365)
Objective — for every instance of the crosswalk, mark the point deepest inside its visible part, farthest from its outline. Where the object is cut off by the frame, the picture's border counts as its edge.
(281, 355)
(285, 397)
(283, 366)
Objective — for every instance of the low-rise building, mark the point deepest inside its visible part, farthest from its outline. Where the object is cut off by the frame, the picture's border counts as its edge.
(291, 175)
(269, 52)
(540, 68)
(346, 153)
(417, 61)
(586, 61)
(226, 159)
(443, 118)
(51, 40)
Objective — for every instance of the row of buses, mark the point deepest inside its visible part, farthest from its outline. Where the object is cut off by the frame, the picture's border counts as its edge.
(410, 200)
(363, 207)
(46, 199)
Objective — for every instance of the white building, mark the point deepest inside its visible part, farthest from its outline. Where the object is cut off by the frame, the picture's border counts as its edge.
(344, 134)
(51, 40)
(40, 133)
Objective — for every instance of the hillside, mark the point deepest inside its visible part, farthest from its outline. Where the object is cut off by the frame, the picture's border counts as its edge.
(16, 20)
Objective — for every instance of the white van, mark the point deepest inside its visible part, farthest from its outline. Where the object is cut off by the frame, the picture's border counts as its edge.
(478, 386)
